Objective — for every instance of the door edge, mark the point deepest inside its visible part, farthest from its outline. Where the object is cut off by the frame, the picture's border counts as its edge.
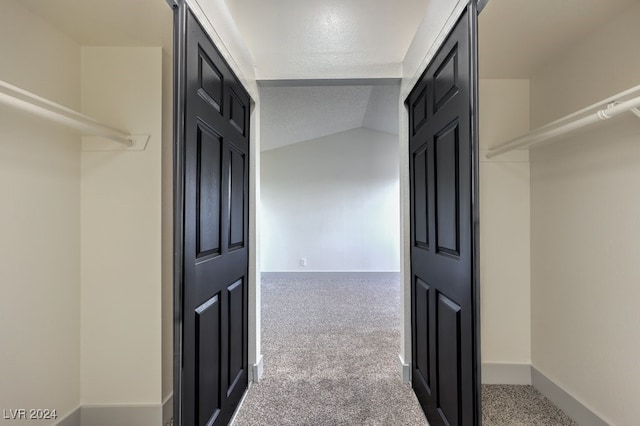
(179, 97)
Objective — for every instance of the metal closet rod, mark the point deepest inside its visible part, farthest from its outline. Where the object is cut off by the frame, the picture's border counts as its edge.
(27, 101)
(569, 123)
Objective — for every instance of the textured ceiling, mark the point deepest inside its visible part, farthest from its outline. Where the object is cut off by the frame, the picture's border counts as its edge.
(292, 114)
(518, 36)
(294, 39)
(327, 38)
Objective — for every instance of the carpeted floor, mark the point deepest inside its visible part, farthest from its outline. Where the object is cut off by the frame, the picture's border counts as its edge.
(330, 352)
(330, 358)
(518, 406)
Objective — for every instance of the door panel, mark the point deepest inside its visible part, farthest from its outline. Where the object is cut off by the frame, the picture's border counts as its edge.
(237, 163)
(448, 342)
(443, 175)
(421, 196)
(214, 181)
(447, 190)
(207, 361)
(210, 193)
(422, 293)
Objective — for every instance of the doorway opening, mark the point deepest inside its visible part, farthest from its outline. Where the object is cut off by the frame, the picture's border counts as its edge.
(330, 178)
(552, 212)
(330, 255)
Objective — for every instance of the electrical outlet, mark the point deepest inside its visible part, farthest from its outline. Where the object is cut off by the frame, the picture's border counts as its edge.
(303, 261)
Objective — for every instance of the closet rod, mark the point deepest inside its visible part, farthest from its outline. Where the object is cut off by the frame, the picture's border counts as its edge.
(551, 131)
(27, 101)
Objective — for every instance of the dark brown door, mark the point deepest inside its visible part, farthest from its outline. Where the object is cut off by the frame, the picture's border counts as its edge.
(443, 170)
(212, 193)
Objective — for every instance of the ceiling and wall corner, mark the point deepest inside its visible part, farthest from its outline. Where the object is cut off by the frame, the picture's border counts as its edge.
(108, 23)
(290, 39)
(546, 28)
(292, 114)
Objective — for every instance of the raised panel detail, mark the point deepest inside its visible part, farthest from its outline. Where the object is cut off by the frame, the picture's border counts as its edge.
(445, 80)
(236, 203)
(419, 111)
(235, 297)
(210, 80)
(447, 190)
(421, 197)
(421, 312)
(208, 368)
(448, 346)
(209, 192)
(238, 113)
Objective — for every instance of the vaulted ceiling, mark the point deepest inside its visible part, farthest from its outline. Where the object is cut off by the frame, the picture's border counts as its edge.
(109, 23)
(291, 114)
(516, 37)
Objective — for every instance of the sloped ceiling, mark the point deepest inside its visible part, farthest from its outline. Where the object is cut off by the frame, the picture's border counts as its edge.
(109, 23)
(516, 37)
(292, 114)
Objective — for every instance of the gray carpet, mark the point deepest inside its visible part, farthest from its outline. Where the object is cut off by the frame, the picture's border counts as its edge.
(518, 406)
(330, 356)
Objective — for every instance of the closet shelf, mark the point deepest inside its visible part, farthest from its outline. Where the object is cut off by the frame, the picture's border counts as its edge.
(27, 101)
(627, 101)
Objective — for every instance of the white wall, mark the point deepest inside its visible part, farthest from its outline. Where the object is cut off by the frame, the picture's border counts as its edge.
(333, 201)
(167, 223)
(39, 221)
(121, 231)
(504, 227)
(584, 224)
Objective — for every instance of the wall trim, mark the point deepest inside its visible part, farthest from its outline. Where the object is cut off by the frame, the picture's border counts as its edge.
(256, 370)
(71, 419)
(331, 82)
(495, 373)
(405, 370)
(124, 415)
(167, 410)
(575, 409)
(332, 274)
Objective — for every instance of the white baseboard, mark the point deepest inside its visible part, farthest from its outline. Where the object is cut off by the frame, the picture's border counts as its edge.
(167, 410)
(506, 374)
(121, 415)
(405, 370)
(256, 370)
(331, 274)
(109, 415)
(71, 419)
(575, 409)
